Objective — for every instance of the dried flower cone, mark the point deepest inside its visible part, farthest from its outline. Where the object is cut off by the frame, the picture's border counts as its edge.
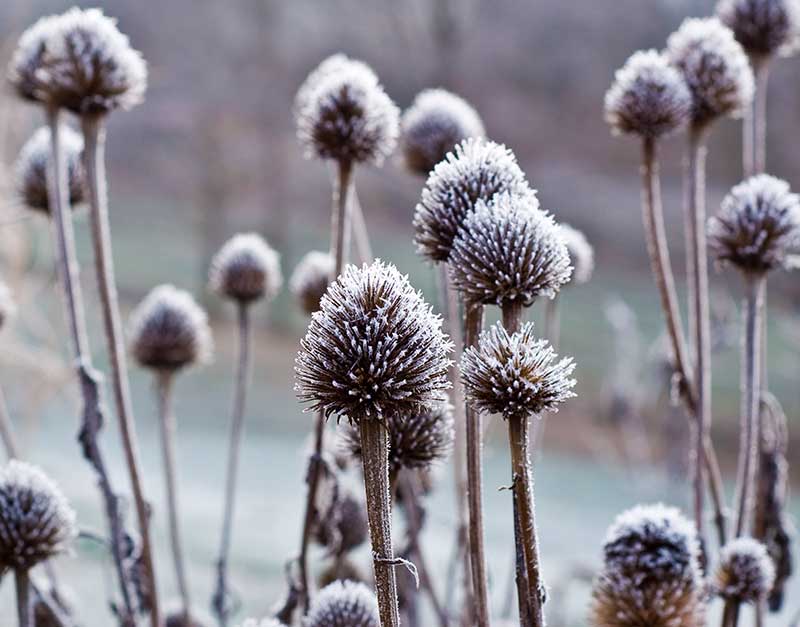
(246, 269)
(343, 604)
(310, 280)
(581, 254)
(764, 28)
(745, 572)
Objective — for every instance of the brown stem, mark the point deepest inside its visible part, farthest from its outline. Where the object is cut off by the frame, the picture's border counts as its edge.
(24, 609)
(340, 216)
(312, 479)
(754, 131)
(730, 615)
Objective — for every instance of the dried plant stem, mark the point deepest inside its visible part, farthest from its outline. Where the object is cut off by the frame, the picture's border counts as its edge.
(24, 609)
(375, 455)
(754, 123)
(7, 429)
(94, 147)
(360, 231)
(312, 479)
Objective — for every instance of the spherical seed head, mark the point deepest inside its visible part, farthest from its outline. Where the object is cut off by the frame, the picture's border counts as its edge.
(343, 604)
(714, 66)
(758, 225)
(310, 279)
(763, 27)
(31, 168)
(581, 254)
(8, 308)
(26, 70)
(745, 572)
(515, 375)
(648, 97)
(36, 522)
(374, 349)
(476, 170)
(435, 122)
(169, 331)
(335, 63)
(246, 269)
(345, 525)
(509, 251)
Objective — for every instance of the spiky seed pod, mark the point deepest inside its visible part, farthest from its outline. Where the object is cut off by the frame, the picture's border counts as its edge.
(374, 349)
(25, 71)
(335, 63)
(509, 251)
(31, 168)
(763, 27)
(8, 307)
(476, 170)
(36, 522)
(745, 572)
(581, 254)
(515, 375)
(348, 116)
(758, 225)
(343, 604)
(714, 66)
(169, 331)
(648, 97)
(310, 279)
(345, 527)
(431, 127)
(246, 269)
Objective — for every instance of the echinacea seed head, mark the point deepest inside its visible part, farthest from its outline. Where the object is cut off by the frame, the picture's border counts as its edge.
(8, 308)
(335, 63)
(763, 27)
(581, 254)
(246, 269)
(431, 127)
(374, 349)
(344, 527)
(758, 225)
(745, 572)
(715, 68)
(515, 375)
(26, 71)
(169, 331)
(343, 604)
(310, 279)
(476, 170)
(36, 522)
(31, 168)
(648, 97)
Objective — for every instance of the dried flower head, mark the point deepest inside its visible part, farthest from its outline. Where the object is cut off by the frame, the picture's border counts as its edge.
(758, 225)
(374, 348)
(310, 279)
(246, 269)
(714, 66)
(345, 114)
(31, 168)
(581, 254)
(435, 122)
(476, 170)
(25, 71)
(330, 66)
(745, 572)
(345, 526)
(763, 27)
(515, 375)
(36, 522)
(648, 97)
(343, 604)
(169, 331)
(8, 308)
(507, 251)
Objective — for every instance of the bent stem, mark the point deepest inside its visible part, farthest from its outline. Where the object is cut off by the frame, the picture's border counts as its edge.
(24, 609)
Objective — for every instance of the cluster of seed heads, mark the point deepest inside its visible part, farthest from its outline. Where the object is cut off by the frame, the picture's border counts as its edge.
(374, 348)
(8, 307)
(745, 572)
(246, 269)
(581, 254)
(310, 279)
(763, 27)
(343, 604)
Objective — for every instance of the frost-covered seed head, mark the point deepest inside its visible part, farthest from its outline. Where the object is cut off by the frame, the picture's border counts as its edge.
(8, 308)
(345, 526)
(335, 63)
(581, 254)
(169, 331)
(758, 225)
(343, 604)
(509, 251)
(476, 170)
(763, 27)
(745, 572)
(648, 97)
(515, 375)
(246, 269)
(374, 349)
(714, 66)
(310, 279)
(36, 522)
(435, 122)
(31, 168)
(26, 69)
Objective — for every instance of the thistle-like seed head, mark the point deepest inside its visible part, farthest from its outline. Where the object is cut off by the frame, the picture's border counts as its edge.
(169, 331)
(344, 526)
(435, 122)
(508, 251)
(31, 168)
(343, 604)
(515, 375)
(36, 522)
(333, 64)
(581, 254)
(758, 225)
(374, 349)
(246, 269)
(26, 69)
(476, 170)
(310, 279)
(8, 308)
(648, 97)
(745, 572)
(763, 27)
(714, 66)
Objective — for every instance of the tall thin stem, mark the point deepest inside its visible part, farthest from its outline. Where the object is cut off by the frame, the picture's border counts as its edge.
(552, 331)
(754, 123)
(24, 609)
(7, 429)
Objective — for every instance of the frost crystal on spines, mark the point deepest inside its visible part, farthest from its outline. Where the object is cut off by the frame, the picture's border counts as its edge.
(581, 254)
(648, 97)
(330, 66)
(25, 71)
(435, 122)
(758, 225)
(246, 269)
(763, 27)
(343, 604)
(515, 375)
(714, 66)
(8, 307)
(476, 170)
(745, 572)
(374, 349)
(310, 279)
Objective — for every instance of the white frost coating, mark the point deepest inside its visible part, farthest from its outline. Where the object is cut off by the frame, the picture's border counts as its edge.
(335, 63)
(25, 68)
(745, 572)
(581, 254)
(343, 604)
(246, 268)
(763, 27)
(310, 279)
